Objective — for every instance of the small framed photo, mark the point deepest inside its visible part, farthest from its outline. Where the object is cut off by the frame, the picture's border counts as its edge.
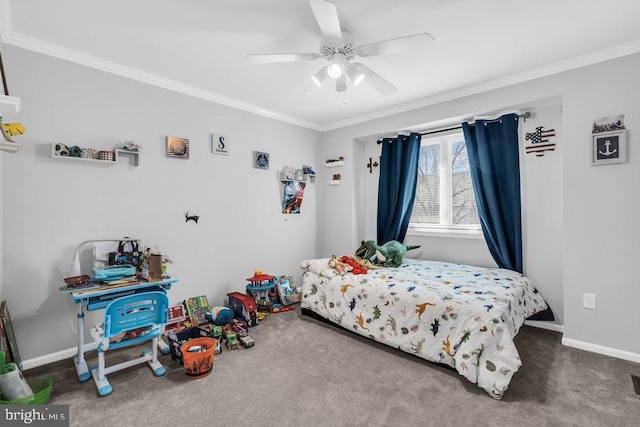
(609, 147)
(260, 160)
(177, 147)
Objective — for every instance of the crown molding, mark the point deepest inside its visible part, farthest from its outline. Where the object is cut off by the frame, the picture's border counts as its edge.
(596, 57)
(8, 36)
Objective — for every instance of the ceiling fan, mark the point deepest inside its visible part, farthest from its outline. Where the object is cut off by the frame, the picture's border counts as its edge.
(338, 50)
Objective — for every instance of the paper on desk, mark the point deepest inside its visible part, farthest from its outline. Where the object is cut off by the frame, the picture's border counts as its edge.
(101, 250)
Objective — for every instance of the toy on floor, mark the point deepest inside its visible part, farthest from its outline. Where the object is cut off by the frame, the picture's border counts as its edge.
(97, 333)
(220, 315)
(260, 288)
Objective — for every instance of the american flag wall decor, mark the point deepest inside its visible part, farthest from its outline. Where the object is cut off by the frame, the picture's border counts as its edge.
(540, 141)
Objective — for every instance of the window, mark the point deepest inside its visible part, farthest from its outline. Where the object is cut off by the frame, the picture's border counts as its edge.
(444, 196)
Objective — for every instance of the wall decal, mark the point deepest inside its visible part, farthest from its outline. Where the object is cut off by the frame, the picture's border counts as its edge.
(193, 218)
(372, 165)
(540, 141)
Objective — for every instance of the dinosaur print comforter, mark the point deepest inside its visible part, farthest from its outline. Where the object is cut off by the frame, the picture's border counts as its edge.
(459, 315)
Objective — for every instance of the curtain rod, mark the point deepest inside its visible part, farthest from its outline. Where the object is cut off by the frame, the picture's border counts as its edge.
(524, 115)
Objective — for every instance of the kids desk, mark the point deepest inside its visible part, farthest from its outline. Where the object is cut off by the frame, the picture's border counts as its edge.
(99, 298)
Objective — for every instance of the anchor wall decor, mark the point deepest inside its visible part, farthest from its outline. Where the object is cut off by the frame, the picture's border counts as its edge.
(609, 141)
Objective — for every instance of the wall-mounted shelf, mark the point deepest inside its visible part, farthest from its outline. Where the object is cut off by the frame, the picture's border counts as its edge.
(334, 182)
(129, 153)
(9, 147)
(9, 104)
(334, 164)
(118, 152)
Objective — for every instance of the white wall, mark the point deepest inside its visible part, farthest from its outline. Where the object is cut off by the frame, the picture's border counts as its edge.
(580, 236)
(50, 206)
(568, 249)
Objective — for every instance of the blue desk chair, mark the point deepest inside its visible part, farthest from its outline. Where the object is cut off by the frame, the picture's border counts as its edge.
(147, 310)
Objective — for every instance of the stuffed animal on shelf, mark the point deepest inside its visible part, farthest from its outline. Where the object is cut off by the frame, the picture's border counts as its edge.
(355, 267)
(340, 267)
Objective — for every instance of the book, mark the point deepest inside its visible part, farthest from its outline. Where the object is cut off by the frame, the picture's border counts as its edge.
(197, 308)
(176, 318)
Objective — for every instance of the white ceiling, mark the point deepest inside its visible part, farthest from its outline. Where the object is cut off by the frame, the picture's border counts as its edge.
(199, 47)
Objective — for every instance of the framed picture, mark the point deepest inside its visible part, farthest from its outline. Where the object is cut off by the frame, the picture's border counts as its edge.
(177, 147)
(260, 160)
(609, 147)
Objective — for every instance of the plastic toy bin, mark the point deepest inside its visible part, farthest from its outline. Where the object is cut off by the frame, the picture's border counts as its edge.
(42, 390)
(176, 340)
(199, 363)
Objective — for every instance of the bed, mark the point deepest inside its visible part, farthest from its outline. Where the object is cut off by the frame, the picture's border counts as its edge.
(461, 316)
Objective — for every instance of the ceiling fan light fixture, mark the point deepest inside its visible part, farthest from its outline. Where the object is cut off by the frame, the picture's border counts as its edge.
(356, 74)
(319, 77)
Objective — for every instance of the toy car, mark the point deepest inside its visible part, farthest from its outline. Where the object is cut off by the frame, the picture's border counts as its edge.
(247, 341)
(239, 327)
(232, 341)
(216, 331)
(218, 349)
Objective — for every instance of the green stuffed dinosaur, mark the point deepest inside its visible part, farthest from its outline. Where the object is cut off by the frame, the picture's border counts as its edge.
(390, 254)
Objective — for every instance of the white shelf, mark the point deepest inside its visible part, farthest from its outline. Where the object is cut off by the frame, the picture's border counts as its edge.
(9, 147)
(81, 159)
(118, 152)
(334, 182)
(9, 104)
(334, 164)
(135, 154)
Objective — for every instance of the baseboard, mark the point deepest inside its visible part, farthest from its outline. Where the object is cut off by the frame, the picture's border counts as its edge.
(607, 351)
(49, 358)
(545, 325)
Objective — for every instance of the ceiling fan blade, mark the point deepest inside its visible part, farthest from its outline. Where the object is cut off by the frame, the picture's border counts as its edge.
(269, 58)
(327, 16)
(400, 44)
(376, 81)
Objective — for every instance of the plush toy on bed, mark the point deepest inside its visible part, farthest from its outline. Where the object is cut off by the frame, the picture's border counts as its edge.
(356, 268)
(340, 267)
(390, 254)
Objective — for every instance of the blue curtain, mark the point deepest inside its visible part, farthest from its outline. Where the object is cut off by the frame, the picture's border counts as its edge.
(397, 186)
(492, 148)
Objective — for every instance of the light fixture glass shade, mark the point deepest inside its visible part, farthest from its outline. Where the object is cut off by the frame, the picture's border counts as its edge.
(319, 77)
(335, 70)
(336, 67)
(355, 73)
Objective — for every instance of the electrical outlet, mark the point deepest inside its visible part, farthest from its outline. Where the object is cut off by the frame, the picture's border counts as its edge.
(589, 301)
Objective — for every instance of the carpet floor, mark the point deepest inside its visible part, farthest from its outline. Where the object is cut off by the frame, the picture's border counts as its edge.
(302, 372)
